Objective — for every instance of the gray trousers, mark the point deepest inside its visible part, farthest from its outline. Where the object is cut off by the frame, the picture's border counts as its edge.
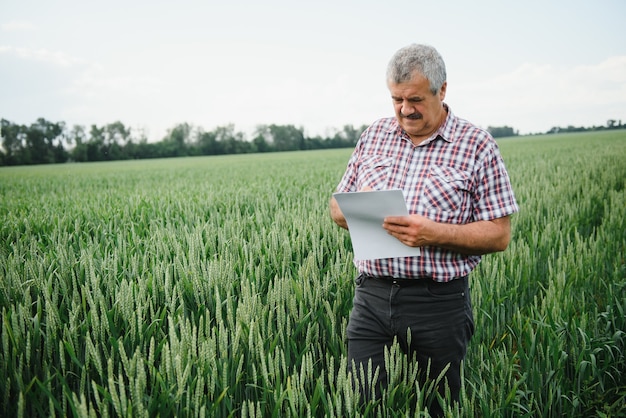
(438, 315)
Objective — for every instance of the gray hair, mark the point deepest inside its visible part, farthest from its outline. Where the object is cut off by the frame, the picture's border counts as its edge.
(421, 58)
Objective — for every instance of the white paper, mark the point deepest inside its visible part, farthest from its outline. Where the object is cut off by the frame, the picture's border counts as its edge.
(364, 213)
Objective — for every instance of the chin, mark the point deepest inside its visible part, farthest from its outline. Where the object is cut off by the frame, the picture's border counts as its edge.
(412, 129)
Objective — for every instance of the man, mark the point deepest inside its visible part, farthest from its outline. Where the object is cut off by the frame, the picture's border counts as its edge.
(459, 198)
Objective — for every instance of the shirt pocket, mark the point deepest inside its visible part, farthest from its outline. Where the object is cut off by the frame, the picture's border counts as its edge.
(374, 171)
(446, 192)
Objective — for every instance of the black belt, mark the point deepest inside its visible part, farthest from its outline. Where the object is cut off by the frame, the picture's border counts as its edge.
(418, 281)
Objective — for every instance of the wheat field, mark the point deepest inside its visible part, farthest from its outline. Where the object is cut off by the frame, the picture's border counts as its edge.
(219, 286)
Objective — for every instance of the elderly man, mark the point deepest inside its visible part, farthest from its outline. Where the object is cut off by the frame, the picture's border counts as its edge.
(460, 200)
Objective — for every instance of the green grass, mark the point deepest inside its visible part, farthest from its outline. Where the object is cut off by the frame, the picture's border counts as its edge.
(219, 286)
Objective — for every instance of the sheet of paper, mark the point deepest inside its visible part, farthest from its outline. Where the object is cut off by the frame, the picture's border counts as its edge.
(364, 213)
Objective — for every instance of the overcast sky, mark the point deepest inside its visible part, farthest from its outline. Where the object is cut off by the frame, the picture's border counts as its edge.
(319, 65)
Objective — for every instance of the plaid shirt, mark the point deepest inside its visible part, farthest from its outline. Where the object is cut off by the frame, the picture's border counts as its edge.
(457, 176)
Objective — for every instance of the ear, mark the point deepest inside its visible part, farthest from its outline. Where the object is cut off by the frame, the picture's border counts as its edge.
(442, 91)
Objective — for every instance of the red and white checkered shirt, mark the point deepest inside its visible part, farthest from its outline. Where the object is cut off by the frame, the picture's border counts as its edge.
(457, 176)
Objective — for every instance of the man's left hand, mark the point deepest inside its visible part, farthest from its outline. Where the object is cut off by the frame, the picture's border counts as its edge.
(411, 230)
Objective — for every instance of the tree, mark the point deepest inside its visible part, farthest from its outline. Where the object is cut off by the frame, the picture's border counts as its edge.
(116, 137)
(260, 144)
(286, 137)
(78, 137)
(13, 142)
(347, 137)
(96, 148)
(40, 143)
(230, 140)
(207, 144)
(501, 131)
(44, 141)
(178, 139)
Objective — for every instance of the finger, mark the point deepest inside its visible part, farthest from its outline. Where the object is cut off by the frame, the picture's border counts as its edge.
(395, 230)
(396, 220)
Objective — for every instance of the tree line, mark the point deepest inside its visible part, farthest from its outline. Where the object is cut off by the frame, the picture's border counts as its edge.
(506, 131)
(46, 142)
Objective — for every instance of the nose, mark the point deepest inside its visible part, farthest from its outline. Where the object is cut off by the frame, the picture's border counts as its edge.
(407, 108)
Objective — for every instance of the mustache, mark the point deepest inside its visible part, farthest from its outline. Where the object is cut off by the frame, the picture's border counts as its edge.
(413, 116)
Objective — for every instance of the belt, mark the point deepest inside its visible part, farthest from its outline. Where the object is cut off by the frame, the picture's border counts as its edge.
(418, 281)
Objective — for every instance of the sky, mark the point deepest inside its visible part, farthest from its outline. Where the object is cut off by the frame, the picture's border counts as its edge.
(320, 65)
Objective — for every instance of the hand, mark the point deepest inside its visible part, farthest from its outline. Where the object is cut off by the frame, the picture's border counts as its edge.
(412, 230)
(474, 238)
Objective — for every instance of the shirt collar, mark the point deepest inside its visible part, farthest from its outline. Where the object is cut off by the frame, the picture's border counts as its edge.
(445, 131)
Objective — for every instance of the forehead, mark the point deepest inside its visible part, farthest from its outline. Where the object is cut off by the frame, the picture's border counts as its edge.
(418, 85)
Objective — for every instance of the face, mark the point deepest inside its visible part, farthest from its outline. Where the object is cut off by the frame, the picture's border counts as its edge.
(419, 112)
